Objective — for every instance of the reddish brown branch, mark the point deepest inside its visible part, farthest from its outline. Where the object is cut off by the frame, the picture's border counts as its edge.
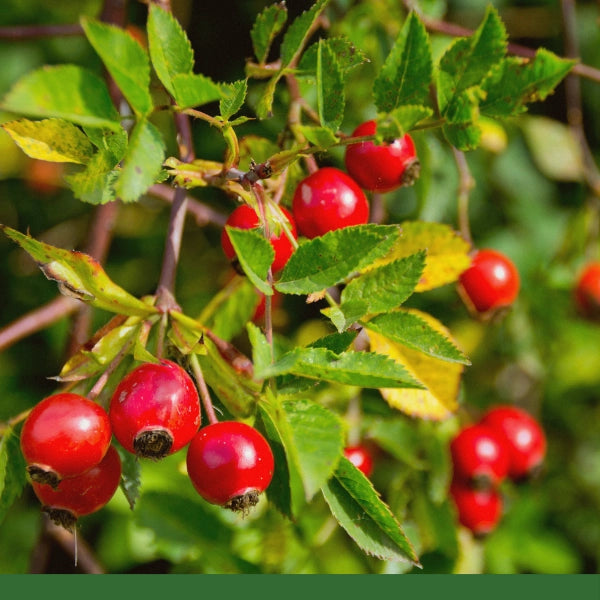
(32, 32)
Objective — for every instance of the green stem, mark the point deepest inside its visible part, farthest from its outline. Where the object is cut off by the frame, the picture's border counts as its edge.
(203, 389)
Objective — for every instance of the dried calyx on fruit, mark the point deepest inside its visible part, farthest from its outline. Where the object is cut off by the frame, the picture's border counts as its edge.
(382, 167)
(155, 410)
(230, 464)
(64, 435)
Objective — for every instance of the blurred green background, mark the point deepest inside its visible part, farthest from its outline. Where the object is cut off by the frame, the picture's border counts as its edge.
(529, 201)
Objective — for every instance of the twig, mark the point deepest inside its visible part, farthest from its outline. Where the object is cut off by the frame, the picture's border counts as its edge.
(204, 393)
(32, 32)
(465, 185)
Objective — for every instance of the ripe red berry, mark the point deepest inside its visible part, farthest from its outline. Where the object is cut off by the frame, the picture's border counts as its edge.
(244, 217)
(385, 167)
(64, 436)
(523, 437)
(81, 495)
(478, 510)
(328, 199)
(230, 464)
(491, 282)
(361, 458)
(479, 456)
(587, 291)
(155, 410)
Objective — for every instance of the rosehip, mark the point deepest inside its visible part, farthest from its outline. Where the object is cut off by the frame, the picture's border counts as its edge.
(479, 456)
(491, 282)
(381, 168)
(155, 410)
(230, 464)
(523, 437)
(81, 495)
(244, 217)
(64, 436)
(360, 457)
(587, 291)
(328, 199)
(478, 510)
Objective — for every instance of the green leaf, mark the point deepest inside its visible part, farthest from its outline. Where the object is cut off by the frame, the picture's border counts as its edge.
(330, 89)
(296, 34)
(268, 24)
(112, 141)
(406, 74)
(255, 255)
(318, 136)
(401, 120)
(336, 342)
(232, 97)
(462, 130)
(170, 49)
(517, 81)
(192, 89)
(408, 329)
(386, 287)
(67, 92)
(364, 516)
(12, 471)
(362, 369)
(142, 162)
(186, 334)
(264, 108)
(262, 355)
(469, 60)
(400, 438)
(286, 490)
(125, 60)
(328, 259)
(130, 476)
(347, 55)
(54, 140)
(80, 276)
(90, 361)
(311, 436)
(95, 184)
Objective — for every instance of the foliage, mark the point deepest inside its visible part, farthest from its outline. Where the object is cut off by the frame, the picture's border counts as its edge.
(372, 341)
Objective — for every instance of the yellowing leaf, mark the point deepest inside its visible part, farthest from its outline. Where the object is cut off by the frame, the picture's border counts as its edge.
(447, 252)
(442, 379)
(53, 140)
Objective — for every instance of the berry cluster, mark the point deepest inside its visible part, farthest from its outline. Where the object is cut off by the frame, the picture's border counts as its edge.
(330, 199)
(505, 442)
(153, 412)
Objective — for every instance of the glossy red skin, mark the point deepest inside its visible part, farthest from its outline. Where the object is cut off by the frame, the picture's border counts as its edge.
(492, 281)
(328, 199)
(229, 459)
(86, 493)
(523, 437)
(244, 217)
(66, 434)
(361, 458)
(478, 510)
(587, 291)
(379, 168)
(155, 396)
(479, 456)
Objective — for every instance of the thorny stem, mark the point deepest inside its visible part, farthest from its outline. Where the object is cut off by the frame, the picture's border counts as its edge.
(465, 184)
(203, 389)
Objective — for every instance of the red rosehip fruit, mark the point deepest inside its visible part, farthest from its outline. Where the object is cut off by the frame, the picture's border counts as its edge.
(230, 463)
(64, 436)
(479, 456)
(523, 437)
(587, 291)
(385, 167)
(478, 510)
(361, 457)
(155, 410)
(328, 199)
(244, 217)
(491, 282)
(83, 494)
